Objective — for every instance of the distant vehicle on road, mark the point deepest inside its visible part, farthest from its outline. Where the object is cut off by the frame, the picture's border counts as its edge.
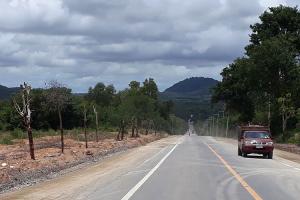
(255, 139)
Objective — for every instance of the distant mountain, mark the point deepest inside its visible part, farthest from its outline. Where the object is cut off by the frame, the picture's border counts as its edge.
(191, 88)
(191, 96)
(6, 92)
(193, 85)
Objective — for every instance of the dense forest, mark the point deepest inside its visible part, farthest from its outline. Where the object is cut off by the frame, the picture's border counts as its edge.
(263, 86)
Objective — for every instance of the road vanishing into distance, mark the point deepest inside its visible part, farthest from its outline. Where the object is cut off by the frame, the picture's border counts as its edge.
(175, 168)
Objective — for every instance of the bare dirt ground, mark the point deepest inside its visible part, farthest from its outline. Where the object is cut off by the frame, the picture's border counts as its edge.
(99, 176)
(17, 169)
(289, 148)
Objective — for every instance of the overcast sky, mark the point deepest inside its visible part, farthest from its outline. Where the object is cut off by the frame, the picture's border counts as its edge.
(82, 42)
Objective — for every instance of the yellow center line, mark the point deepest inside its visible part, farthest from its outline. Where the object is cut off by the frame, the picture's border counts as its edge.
(237, 176)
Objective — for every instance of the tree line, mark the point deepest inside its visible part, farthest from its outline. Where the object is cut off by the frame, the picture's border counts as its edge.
(263, 86)
(56, 107)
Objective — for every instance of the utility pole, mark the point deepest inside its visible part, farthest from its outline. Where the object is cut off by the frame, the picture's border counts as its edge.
(172, 128)
(222, 117)
(227, 121)
(213, 125)
(216, 124)
(217, 129)
(269, 112)
(269, 105)
(210, 127)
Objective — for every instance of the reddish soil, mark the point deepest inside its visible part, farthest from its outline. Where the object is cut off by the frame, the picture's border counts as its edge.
(288, 147)
(16, 167)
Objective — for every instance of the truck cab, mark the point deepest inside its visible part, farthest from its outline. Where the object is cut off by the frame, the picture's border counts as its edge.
(255, 139)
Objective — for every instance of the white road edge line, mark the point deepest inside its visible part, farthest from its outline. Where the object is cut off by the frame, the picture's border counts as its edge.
(295, 168)
(141, 182)
(287, 164)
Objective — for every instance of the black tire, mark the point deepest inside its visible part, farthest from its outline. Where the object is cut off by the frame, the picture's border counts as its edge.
(270, 155)
(239, 152)
(244, 155)
(265, 155)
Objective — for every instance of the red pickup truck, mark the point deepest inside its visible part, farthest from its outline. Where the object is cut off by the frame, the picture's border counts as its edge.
(255, 139)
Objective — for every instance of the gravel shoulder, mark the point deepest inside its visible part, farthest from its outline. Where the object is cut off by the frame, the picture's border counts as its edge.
(17, 170)
(98, 176)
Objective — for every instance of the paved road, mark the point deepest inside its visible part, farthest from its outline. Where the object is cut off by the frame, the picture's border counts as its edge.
(176, 168)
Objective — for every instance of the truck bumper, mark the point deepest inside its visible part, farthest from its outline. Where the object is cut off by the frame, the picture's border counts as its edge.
(253, 149)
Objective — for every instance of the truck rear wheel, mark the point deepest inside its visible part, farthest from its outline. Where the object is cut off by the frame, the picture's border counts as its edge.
(270, 155)
(266, 155)
(239, 152)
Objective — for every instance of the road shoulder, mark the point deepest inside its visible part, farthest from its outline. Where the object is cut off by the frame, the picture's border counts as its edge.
(108, 170)
(277, 152)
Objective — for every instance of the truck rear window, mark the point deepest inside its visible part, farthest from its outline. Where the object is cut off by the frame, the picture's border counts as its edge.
(257, 134)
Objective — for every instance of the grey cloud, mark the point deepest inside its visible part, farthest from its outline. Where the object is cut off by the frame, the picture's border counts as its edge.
(83, 42)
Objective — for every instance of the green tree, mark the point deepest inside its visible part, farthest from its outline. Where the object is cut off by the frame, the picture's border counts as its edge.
(58, 97)
(259, 82)
(287, 109)
(277, 21)
(235, 89)
(5, 116)
(150, 88)
(102, 95)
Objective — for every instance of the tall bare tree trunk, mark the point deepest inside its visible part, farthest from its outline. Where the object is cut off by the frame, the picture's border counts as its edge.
(85, 135)
(97, 137)
(122, 129)
(122, 133)
(137, 129)
(284, 120)
(61, 131)
(30, 138)
(132, 130)
(84, 124)
(147, 127)
(25, 113)
(119, 132)
(97, 123)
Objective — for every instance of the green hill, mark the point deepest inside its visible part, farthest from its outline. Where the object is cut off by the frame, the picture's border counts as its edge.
(191, 88)
(6, 92)
(191, 96)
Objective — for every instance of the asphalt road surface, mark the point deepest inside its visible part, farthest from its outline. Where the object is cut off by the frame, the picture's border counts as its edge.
(176, 168)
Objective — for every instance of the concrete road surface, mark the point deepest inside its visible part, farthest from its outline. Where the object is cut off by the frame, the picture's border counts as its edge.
(176, 168)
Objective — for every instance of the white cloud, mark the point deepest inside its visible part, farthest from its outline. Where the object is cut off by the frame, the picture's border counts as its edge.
(84, 42)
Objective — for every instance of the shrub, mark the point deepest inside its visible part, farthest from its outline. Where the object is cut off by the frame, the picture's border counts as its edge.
(292, 140)
(17, 134)
(297, 138)
(6, 141)
(52, 132)
(2, 127)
